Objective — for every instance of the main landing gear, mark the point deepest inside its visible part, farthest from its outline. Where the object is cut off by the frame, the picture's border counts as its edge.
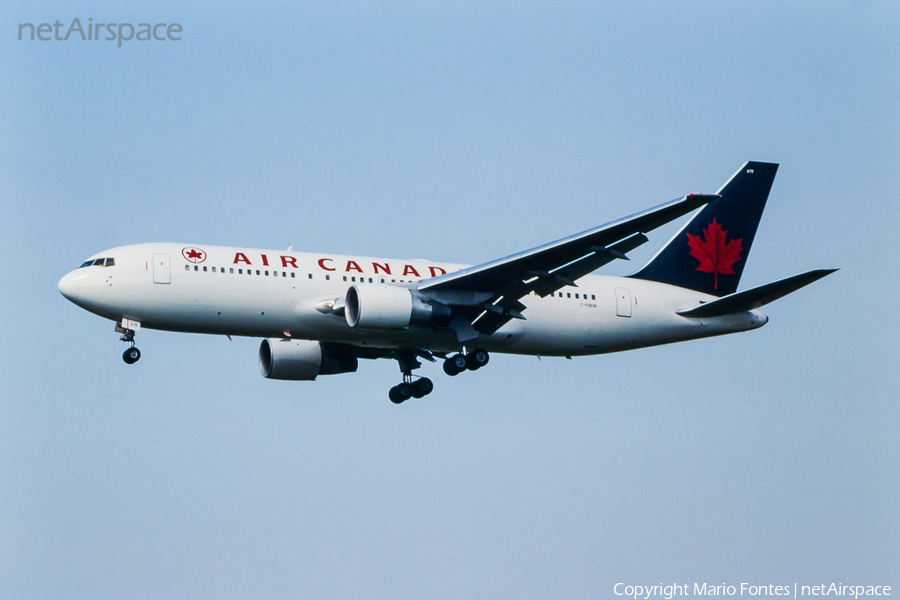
(132, 354)
(409, 387)
(471, 361)
(422, 386)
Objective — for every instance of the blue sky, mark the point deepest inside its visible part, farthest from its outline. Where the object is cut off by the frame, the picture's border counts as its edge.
(459, 132)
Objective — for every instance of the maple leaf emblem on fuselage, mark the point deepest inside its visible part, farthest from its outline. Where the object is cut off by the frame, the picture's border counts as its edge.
(194, 255)
(714, 254)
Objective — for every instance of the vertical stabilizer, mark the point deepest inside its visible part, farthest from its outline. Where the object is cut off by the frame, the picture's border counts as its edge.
(710, 251)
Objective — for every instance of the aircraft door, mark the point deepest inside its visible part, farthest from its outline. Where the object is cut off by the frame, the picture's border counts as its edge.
(162, 271)
(623, 302)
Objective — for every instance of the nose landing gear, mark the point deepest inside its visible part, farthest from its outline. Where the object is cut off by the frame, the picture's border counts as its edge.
(128, 328)
(131, 356)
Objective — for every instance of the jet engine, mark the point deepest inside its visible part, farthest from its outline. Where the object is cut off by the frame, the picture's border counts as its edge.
(302, 360)
(391, 307)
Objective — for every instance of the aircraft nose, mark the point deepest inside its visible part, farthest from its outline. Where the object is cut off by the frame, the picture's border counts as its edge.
(69, 286)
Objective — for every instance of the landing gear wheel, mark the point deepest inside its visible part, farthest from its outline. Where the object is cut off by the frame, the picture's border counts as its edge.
(477, 359)
(400, 393)
(422, 387)
(394, 396)
(131, 356)
(455, 365)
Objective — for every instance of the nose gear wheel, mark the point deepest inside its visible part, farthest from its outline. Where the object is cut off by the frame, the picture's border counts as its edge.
(132, 354)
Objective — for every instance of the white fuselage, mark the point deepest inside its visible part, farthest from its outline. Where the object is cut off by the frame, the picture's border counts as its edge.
(272, 293)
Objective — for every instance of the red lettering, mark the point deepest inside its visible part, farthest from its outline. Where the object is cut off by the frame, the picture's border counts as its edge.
(434, 271)
(351, 265)
(322, 264)
(240, 257)
(265, 260)
(409, 269)
(385, 267)
(288, 259)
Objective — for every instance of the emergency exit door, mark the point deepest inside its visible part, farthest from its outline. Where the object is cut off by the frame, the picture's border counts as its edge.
(623, 302)
(162, 271)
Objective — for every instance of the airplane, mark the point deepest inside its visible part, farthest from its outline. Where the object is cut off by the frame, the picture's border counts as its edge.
(318, 314)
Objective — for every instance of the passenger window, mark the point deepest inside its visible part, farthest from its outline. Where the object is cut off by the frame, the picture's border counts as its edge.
(204, 269)
(196, 268)
(240, 271)
(370, 280)
(231, 270)
(267, 273)
(353, 279)
(187, 267)
(345, 278)
(593, 297)
(568, 295)
(214, 269)
(293, 274)
(257, 271)
(310, 275)
(328, 278)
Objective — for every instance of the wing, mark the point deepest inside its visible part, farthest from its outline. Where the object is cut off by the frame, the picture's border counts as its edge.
(487, 296)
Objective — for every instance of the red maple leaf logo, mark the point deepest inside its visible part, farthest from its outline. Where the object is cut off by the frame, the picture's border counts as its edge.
(714, 254)
(194, 255)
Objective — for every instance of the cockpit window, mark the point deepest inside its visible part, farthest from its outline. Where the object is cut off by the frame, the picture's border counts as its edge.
(99, 262)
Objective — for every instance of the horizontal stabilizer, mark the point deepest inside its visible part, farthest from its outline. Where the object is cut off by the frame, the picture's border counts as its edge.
(755, 297)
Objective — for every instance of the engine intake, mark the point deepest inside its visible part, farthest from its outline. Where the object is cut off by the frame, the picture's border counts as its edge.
(391, 307)
(302, 360)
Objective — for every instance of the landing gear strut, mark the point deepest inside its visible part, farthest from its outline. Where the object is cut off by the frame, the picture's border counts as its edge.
(132, 354)
(409, 387)
(471, 361)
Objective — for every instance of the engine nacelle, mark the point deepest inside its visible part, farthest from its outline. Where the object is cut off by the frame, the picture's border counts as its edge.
(301, 360)
(391, 307)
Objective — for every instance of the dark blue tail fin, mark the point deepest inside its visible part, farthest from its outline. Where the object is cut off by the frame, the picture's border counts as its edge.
(709, 253)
